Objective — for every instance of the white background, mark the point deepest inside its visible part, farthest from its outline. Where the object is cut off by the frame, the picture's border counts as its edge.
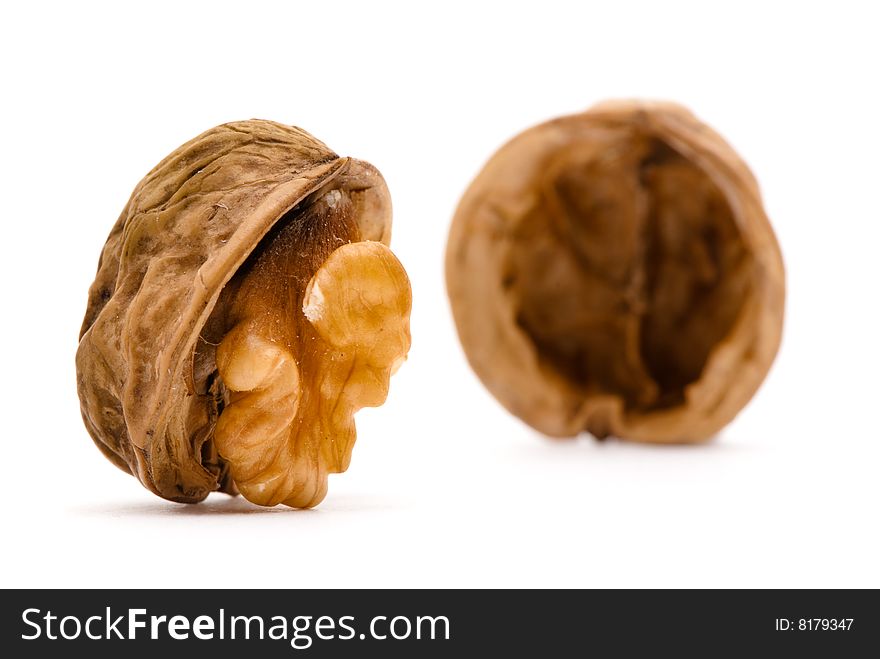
(445, 488)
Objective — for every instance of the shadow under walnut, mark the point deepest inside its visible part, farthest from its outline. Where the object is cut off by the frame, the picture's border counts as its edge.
(246, 306)
(614, 272)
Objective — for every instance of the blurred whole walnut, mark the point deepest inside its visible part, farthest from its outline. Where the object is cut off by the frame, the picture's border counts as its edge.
(614, 272)
(246, 305)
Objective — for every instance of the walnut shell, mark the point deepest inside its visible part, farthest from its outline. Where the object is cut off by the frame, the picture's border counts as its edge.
(614, 272)
(209, 262)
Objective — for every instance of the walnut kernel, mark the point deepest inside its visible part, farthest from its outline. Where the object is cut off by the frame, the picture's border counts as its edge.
(246, 306)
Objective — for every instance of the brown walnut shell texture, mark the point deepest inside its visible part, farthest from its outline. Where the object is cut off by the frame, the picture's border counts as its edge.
(614, 272)
(244, 197)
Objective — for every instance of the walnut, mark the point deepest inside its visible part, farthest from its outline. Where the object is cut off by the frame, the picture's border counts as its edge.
(246, 305)
(614, 272)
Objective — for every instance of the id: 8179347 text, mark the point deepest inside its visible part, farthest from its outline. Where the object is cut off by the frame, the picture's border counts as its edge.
(814, 624)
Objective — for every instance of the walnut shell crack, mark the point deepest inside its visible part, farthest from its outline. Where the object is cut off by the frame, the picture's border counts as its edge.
(195, 323)
(615, 272)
